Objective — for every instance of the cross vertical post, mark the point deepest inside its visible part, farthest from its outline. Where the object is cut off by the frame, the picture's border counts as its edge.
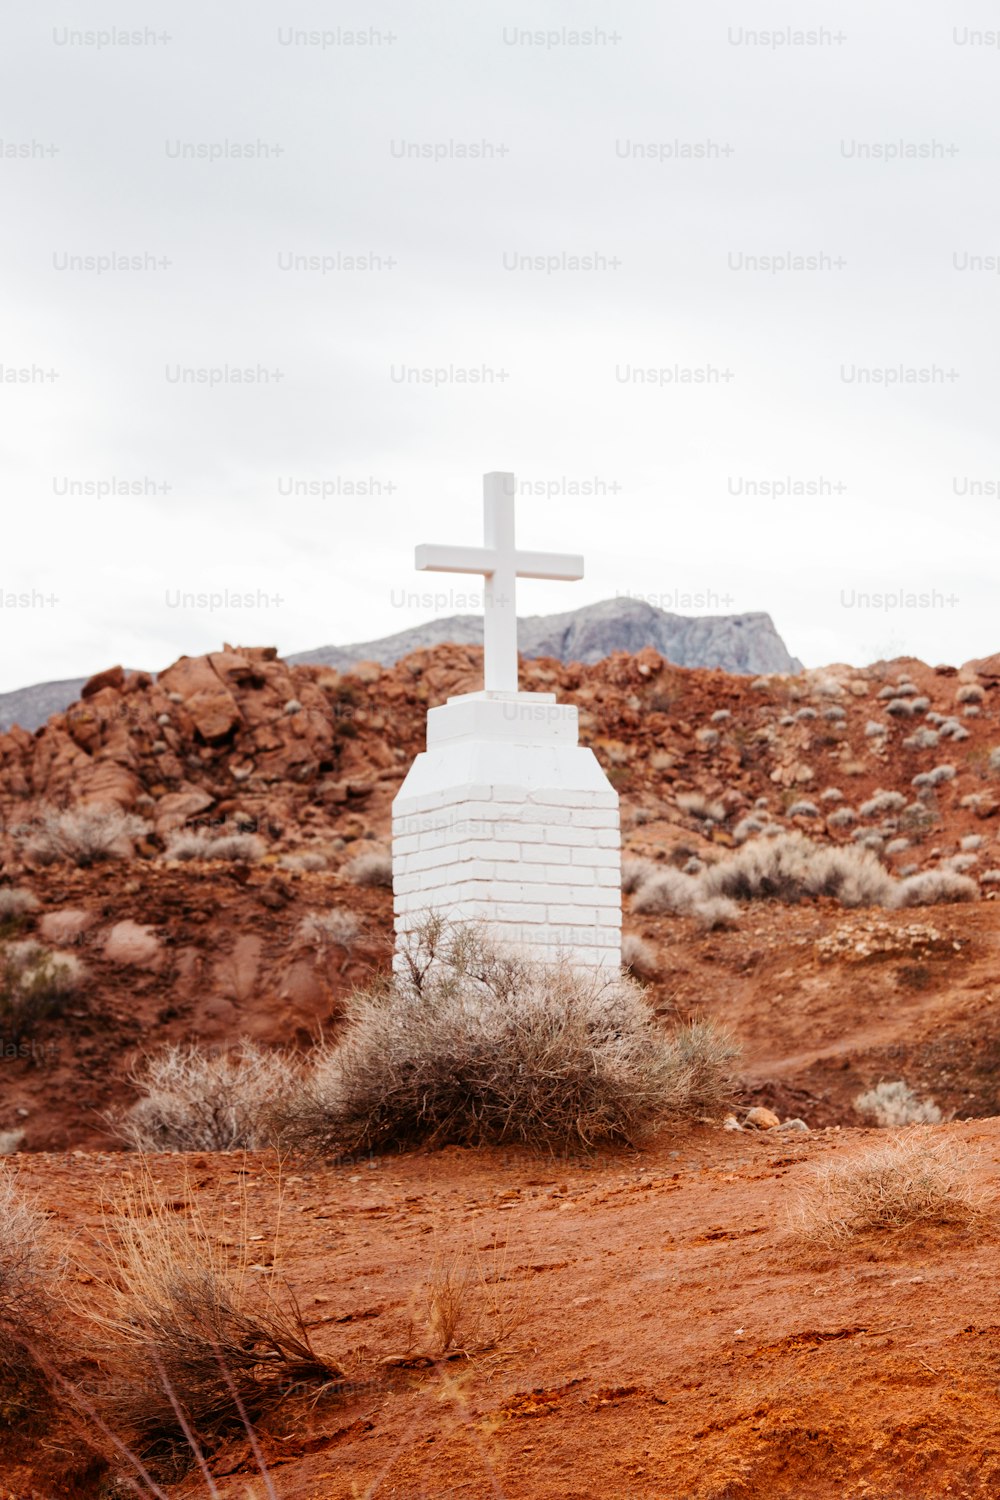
(500, 615)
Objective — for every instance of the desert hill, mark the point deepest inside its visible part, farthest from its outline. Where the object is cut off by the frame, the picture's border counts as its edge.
(307, 760)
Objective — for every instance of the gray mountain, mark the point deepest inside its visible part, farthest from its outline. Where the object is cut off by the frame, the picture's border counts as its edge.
(736, 643)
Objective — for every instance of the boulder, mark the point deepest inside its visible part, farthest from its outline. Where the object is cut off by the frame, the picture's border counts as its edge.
(133, 943)
(111, 677)
(60, 929)
(174, 809)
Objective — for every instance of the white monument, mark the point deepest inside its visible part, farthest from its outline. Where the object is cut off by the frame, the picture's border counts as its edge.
(505, 819)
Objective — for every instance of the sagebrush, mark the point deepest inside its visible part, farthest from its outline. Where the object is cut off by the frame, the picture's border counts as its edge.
(913, 1181)
(473, 1045)
(83, 835)
(34, 984)
(895, 1105)
(194, 1100)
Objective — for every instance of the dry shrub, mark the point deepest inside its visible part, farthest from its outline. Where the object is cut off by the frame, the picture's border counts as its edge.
(83, 835)
(200, 843)
(911, 1182)
(995, 758)
(634, 873)
(304, 859)
(324, 930)
(933, 886)
(791, 867)
(192, 1100)
(700, 806)
(747, 826)
(198, 1349)
(894, 1105)
(882, 802)
(715, 913)
(34, 983)
(469, 1306)
(638, 956)
(666, 893)
(371, 868)
(16, 903)
(470, 1045)
(27, 1272)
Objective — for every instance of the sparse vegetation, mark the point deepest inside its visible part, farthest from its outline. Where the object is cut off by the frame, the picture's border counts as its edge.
(82, 835)
(474, 1046)
(666, 892)
(634, 873)
(34, 983)
(713, 913)
(373, 868)
(325, 930)
(842, 817)
(882, 802)
(932, 887)
(193, 1100)
(638, 957)
(26, 1274)
(921, 739)
(912, 1182)
(700, 806)
(969, 692)
(202, 843)
(746, 827)
(791, 867)
(304, 859)
(192, 1342)
(16, 903)
(894, 1105)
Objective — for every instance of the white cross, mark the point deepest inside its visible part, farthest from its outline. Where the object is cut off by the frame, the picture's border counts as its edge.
(501, 564)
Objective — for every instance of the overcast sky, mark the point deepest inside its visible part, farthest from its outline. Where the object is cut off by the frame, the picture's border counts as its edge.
(678, 148)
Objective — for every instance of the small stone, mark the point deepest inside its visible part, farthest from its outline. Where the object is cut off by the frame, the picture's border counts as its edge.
(731, 1123)
(793, 1125)
(761, 1119)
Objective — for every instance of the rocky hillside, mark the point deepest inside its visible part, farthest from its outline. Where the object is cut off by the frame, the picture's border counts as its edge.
(736, 643)
(825, 1002)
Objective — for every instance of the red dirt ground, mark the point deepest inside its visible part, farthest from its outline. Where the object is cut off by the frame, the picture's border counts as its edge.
(670, 1337)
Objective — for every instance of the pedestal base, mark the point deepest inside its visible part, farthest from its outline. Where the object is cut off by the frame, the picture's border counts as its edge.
(507, 821)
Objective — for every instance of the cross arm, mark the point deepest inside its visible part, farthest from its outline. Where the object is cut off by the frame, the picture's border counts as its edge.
(434, 559)
(549, 565)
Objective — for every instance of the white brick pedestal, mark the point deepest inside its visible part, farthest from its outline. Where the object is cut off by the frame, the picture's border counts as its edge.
(505, 819)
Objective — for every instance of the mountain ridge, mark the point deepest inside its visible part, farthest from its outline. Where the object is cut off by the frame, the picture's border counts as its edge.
(746, 644)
